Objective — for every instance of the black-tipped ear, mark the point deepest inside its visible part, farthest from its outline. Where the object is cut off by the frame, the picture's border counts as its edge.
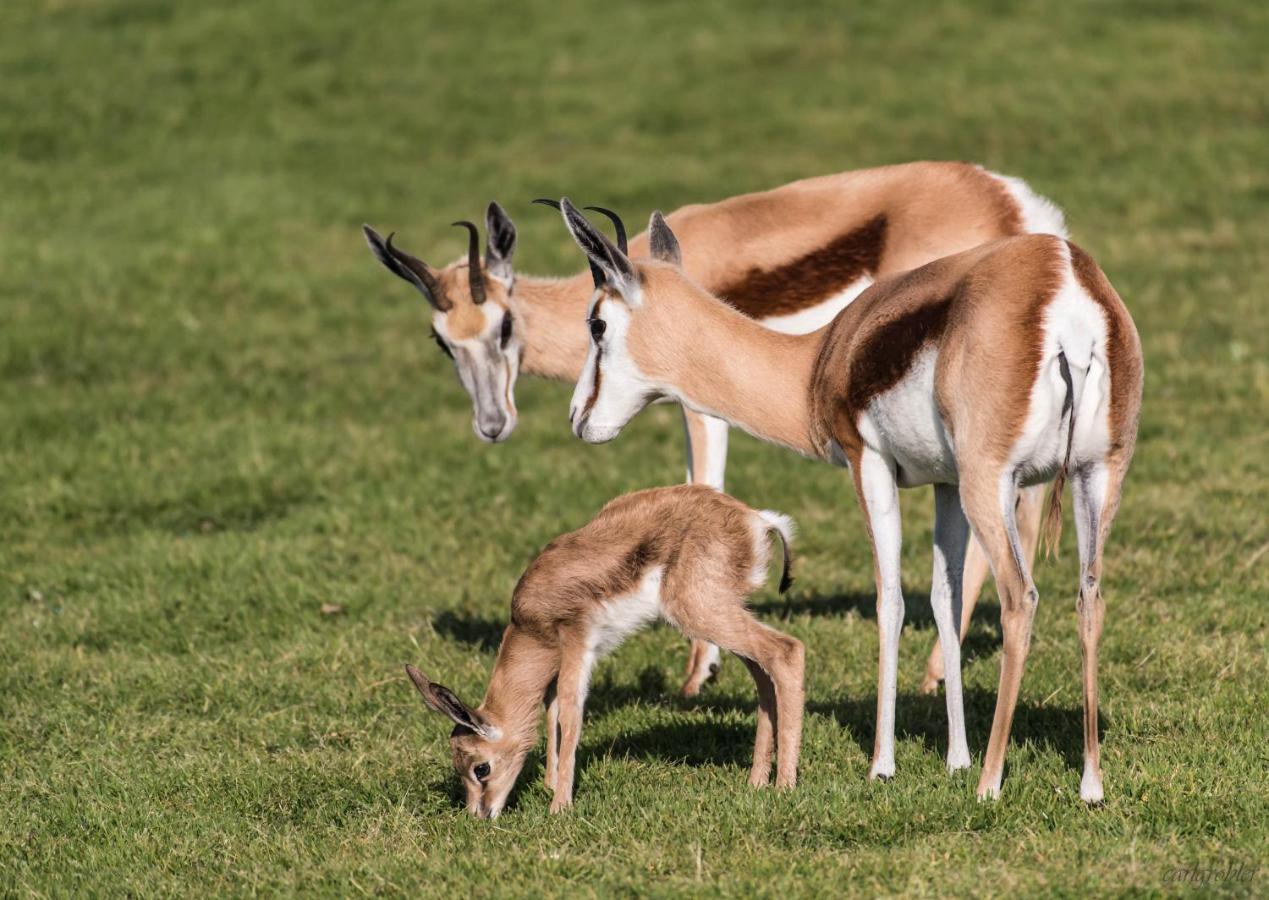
(500, 245)
(665, 246)
(407, 267)
(446, 702)
(619, 273)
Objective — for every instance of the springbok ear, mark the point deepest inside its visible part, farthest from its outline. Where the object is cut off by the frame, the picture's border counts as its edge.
(446, 702)
(407, 267)
(501, 242)
(619, 272)
(665, 246)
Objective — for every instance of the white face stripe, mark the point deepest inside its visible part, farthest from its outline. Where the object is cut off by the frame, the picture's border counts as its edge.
(623, 390)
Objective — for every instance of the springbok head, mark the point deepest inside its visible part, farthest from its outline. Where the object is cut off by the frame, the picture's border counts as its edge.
(486, 759)
(472, 321)
(626, 361)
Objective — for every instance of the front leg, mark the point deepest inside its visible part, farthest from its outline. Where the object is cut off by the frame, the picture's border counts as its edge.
(571, 687)
(706, 464)
(879, 498)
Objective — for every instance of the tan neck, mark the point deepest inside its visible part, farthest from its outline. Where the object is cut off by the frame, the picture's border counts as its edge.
(727, 365)
(525, 667)
(552, 313)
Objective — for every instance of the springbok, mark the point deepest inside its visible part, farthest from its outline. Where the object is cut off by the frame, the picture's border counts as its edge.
(791, 258)
(688, 554)
(998, 367)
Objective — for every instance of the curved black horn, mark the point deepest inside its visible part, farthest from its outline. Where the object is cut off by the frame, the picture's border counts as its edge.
(596, 274)
(617, 223)
(475, 275)
(418, 269)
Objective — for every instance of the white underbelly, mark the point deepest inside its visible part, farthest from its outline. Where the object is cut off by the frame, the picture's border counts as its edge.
(619, 617)
(903, 424)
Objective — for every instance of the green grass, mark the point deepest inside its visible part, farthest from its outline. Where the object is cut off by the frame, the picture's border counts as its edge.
(218, 414)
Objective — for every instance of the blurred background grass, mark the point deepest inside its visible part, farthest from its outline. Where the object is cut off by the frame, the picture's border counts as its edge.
(217, 414)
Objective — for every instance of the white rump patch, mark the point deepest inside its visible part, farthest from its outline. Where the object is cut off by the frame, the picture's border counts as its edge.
(1040, 215)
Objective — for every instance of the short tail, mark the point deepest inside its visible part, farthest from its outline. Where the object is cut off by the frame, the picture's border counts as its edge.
(1052, 529)
(783, 526)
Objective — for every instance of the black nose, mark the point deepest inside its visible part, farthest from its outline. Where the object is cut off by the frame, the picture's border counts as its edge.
(491, 431)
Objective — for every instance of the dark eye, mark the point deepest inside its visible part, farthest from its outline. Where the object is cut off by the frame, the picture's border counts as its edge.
(481, 771)
(597, 327)
(440, 342)
(506, 330)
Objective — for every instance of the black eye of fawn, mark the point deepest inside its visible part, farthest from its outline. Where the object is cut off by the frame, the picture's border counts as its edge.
(481, 771)
(440, 342)
(506, 330)
(597, 327)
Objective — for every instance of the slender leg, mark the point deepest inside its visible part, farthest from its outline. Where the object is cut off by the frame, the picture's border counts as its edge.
(764, 742)
(879, 496)
(1095, 490)
(552, 736)
(951, 534)
(1030, 511)
(778, 664)
(987, 496)
(789, 676)
(706, 464)
(571, 686)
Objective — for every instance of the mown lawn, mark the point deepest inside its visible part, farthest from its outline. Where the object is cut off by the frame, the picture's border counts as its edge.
(217, 414)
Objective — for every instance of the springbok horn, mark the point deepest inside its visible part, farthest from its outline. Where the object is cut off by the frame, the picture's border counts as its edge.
(596, 274)
(475, 275)
(419, 270)
(616, 221)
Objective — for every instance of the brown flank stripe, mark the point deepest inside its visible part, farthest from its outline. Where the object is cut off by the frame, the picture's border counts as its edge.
(891, 348)
(810, 279)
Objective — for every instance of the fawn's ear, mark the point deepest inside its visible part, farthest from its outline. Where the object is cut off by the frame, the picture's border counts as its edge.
(619, 273)
(446, 702)
(500, 244)
(665, 246)
(407, 267)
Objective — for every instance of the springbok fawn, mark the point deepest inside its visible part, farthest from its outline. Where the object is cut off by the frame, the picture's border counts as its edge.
(1001, 366)
(790, 258)
(688, 554)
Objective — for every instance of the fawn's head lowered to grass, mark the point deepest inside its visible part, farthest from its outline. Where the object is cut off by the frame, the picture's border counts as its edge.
(487, 758)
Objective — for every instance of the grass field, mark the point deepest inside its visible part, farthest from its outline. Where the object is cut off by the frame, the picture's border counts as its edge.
(218, 414)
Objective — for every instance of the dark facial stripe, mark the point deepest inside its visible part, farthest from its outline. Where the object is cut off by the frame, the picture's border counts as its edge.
(599, 373)
(810, 279)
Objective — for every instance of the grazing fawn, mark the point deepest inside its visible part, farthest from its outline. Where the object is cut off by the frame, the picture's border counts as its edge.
(688, 554)
(995, 368)
(790, 258)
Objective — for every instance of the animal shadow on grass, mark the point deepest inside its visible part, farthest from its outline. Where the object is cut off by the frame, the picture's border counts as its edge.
(984, 631)
(482, 632)
(923, 717)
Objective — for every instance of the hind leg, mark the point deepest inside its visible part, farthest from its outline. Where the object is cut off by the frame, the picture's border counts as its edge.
(987, 495)
(778, 663)
(1029, 512)
(951, 534)
(552, 736)
(1095, 490)
(764, 742)
(706, 464)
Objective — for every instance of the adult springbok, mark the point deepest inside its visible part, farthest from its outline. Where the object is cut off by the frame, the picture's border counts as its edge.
(688, 554)
(790, 258)
(995, 368)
